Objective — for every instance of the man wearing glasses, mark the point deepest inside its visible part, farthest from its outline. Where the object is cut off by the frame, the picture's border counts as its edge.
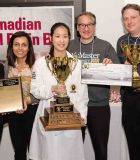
(89, 48)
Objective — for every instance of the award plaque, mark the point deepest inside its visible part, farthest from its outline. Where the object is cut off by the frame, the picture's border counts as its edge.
(61, 114)
(132, 52)
(11, 98)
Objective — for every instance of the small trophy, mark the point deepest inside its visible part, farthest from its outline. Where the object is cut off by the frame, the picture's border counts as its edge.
(132, 52)
(61, 113)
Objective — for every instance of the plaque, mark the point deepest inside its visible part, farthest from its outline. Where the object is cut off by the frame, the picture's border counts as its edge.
(11, 98)
(62, 113)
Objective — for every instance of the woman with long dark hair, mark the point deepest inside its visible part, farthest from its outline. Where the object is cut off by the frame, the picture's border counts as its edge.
(20, 57)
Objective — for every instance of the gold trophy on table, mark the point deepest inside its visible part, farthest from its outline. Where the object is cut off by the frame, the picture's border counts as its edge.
(61, 113)
(132, 52)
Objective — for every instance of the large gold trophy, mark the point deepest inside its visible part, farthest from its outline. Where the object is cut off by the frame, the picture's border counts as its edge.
(132, 52)
(62, 113)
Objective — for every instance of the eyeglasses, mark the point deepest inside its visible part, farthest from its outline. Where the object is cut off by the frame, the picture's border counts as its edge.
(82, 25)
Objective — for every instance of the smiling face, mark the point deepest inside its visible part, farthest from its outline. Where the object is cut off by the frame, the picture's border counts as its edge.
(131, 20)
(60, 40)
(86, 28)
(20, 47)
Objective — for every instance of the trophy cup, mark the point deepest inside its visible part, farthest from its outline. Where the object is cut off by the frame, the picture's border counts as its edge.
(61, 113)
(132, 52)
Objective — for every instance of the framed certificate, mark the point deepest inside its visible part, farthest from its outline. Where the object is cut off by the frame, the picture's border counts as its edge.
(110, 74)
(11, 97)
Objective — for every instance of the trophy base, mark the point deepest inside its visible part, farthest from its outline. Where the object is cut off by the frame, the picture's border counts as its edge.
(61, 120)
(136, 82)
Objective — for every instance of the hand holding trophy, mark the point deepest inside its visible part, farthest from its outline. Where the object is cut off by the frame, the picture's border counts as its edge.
(132, 52)
(61, 68)
(61, 113)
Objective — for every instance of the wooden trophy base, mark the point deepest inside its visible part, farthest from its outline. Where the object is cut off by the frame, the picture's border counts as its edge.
(61, 120)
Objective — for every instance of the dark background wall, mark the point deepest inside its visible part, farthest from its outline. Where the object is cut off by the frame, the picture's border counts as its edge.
(79, 5)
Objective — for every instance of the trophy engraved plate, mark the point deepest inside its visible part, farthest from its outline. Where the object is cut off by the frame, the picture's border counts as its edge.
(62, 100)
(11, 98)
(65, 107)
(61, 114)
(132, 52)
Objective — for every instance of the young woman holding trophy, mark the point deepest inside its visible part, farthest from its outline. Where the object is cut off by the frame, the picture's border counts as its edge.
(128, 49)
(63, 144)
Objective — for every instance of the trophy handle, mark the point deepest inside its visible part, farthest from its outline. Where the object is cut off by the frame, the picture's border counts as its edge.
(49, 65)
(125, 48)
(72, 62)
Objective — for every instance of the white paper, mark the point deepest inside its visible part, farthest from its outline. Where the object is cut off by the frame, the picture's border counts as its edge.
(110, 74)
